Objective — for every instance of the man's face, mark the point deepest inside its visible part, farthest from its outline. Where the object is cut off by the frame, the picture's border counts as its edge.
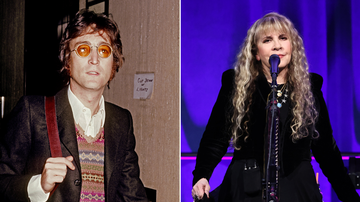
(91, 72)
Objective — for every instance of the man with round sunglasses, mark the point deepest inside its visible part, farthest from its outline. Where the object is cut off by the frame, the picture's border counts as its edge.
(97, 141)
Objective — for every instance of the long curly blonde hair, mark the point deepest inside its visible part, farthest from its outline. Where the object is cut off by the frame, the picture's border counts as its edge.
(247, 68)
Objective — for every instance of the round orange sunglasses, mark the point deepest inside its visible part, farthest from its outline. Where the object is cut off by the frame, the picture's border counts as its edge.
(84, 50)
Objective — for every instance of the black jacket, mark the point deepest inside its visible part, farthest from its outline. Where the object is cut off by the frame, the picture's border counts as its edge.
(215, 140)
(24, 148)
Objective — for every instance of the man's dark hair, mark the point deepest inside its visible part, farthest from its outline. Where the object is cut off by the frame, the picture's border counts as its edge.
(98, 23)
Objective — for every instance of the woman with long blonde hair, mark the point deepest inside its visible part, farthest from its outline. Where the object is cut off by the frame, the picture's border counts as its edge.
(239, 118)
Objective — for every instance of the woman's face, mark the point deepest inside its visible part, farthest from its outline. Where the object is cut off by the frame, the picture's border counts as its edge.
(274, 43)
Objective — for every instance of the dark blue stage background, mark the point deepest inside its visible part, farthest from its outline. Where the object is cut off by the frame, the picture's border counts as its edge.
(212, 32)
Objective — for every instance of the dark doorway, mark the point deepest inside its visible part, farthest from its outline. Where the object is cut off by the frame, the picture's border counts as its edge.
(45, 22)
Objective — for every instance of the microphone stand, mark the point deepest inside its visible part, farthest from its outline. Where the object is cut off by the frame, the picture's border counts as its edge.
(272, 157)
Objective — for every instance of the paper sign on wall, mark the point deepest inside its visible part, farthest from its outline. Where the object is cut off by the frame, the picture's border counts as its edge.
(143, 85)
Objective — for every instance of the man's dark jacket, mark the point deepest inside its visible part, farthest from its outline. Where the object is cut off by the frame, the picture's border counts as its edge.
(24, 148)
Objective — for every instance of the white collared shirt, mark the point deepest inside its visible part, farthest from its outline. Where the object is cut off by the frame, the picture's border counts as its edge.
(91, 125)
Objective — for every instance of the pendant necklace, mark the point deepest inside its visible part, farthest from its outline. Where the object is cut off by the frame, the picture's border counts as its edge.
(282, 94)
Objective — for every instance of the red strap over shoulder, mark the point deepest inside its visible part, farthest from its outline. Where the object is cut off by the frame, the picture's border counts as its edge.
(52, 128)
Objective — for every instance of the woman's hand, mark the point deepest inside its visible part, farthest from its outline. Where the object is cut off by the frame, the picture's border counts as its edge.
(201, 187)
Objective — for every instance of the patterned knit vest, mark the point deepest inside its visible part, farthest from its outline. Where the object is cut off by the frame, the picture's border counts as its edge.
(91, 154)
